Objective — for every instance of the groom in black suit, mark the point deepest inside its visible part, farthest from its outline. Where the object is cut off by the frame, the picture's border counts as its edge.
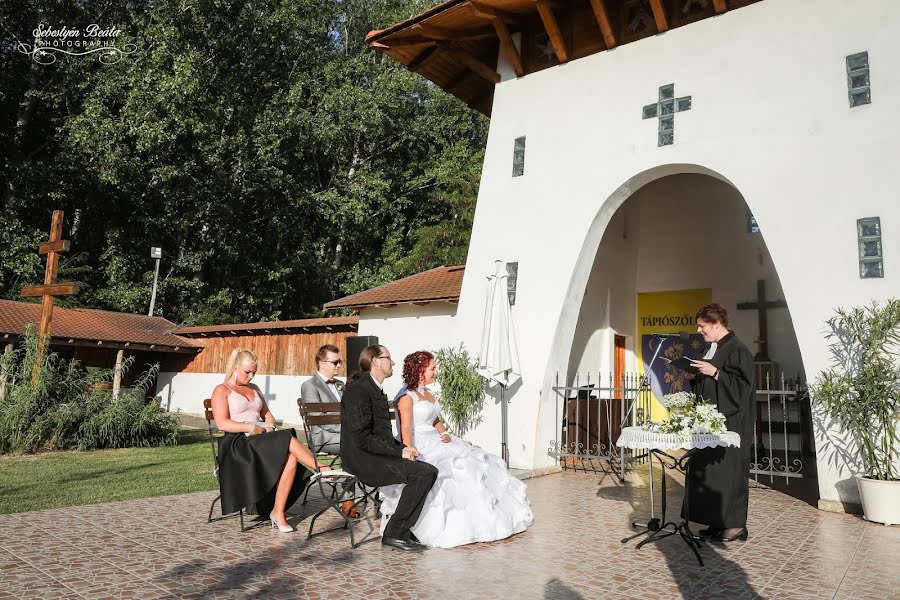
(369, 450)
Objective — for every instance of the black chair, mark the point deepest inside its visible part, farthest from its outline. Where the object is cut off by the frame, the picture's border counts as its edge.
(214, 446)
(339, 488)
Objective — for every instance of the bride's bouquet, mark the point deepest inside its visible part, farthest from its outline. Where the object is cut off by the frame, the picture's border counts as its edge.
(688, 415)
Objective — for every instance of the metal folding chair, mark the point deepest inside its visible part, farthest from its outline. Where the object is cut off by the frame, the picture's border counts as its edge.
(214, 446)
(340, 487)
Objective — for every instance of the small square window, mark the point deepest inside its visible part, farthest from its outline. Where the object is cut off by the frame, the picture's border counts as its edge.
(870, 249)
(649, 111)
(868, 227)
(858, 61)
(667, 123)
(752, 225)
(519, 157)
(667, 92)
(666, 107)
(871, 270)
(683, 104)
(861, 97)
(666, 138)
(860, 79)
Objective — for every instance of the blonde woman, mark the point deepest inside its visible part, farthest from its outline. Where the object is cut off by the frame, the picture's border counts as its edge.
(257, 465)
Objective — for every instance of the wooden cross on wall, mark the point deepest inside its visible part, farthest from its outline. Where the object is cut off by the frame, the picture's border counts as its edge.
(51, 288)
(762, 305)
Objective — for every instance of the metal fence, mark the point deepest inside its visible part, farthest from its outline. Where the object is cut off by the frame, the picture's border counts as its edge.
(782, 432)
(590, 415)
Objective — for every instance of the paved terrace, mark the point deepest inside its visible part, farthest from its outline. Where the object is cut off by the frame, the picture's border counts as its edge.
(163, 548)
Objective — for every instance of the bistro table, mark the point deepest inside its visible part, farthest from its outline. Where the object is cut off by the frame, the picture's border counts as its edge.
(656, 443)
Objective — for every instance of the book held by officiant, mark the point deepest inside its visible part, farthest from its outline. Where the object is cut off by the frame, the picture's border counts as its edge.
(683, 363)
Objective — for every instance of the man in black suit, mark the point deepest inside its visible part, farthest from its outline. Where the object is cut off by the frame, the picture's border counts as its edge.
(369, 450)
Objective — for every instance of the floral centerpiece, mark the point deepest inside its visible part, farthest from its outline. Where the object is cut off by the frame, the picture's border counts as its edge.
(688, 415)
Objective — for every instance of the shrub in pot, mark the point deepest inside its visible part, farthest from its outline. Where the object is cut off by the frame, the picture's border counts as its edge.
(860, 392)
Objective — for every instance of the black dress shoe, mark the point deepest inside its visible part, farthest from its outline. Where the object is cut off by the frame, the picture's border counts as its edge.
(740, 535)
(405, 545)
(710, 532)
(413, 537)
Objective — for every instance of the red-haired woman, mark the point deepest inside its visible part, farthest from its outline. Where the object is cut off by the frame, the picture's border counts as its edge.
(475, 499)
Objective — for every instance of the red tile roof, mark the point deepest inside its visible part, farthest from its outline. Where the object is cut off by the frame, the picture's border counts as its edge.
(440, 284)
(83, 324)
(343, 323)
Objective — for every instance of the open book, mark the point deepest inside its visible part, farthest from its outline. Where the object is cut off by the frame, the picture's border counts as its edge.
(683, 363)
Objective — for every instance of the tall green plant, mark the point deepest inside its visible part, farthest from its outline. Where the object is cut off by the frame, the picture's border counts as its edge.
(861, 391)
(462, 388)
(63, 407)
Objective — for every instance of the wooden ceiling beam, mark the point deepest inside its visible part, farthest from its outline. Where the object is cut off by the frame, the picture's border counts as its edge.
(659, 13)
(551, 26)
(442, 33)
(720, 6)
(489, 12)
(474, 63)
(603, 20)
(421, 58)
(508, 46)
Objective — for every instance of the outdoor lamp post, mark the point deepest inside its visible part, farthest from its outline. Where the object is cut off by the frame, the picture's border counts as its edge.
(157, 254)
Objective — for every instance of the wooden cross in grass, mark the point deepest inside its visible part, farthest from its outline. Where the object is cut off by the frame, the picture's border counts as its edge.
(51, 288)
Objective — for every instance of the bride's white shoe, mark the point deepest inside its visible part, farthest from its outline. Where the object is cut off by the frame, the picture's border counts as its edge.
(282, 528)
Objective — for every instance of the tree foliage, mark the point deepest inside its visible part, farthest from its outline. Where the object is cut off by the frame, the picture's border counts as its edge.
(276, 159)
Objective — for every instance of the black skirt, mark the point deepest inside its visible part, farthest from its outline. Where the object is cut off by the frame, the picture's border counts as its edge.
(249, 470)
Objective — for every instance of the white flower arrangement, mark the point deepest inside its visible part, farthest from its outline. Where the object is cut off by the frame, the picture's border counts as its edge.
(689, 415)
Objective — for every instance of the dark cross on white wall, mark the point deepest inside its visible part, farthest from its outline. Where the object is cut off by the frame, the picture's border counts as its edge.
(762, 305)
(665, 109)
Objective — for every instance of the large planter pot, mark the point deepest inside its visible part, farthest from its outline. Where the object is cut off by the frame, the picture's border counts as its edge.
(880, 500)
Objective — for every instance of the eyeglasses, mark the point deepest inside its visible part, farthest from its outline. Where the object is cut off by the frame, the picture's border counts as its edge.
(336, 363)
(387, 357)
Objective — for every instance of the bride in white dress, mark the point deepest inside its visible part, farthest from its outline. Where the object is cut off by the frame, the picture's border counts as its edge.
(474, 499)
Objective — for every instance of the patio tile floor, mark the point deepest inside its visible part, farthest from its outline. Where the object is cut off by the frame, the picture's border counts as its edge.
(163, 548)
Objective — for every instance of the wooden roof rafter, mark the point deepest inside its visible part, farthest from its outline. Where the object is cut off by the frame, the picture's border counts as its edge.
(720, 6)
(551, 26)
(473, 62)
(604, 22)
(499, 21)
(659, 15)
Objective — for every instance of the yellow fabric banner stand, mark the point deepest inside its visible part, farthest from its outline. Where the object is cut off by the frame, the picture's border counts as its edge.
(666, 313)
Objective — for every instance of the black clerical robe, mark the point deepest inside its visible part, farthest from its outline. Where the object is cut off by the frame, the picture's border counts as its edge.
(719, 484)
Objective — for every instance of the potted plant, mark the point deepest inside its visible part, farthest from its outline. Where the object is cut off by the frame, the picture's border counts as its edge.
(860, 392)
(461, 388)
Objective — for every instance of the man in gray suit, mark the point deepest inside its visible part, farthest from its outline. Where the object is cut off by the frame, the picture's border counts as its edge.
(323, 386)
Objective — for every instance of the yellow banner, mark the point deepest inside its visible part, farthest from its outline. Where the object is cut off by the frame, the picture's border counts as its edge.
(667, 313)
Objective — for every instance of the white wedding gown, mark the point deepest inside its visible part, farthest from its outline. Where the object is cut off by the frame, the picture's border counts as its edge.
(474, 499)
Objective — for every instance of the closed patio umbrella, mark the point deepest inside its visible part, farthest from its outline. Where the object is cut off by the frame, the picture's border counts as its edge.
(498, 360)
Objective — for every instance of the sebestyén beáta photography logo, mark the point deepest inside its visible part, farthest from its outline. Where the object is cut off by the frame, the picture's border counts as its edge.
(99, 41)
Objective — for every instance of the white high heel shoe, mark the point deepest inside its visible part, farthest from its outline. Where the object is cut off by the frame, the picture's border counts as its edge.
(282, 528)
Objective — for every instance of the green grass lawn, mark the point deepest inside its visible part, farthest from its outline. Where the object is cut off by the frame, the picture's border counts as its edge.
(57, 479)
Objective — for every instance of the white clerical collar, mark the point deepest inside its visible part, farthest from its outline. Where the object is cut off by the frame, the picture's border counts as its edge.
(711, 352)
(380, 385)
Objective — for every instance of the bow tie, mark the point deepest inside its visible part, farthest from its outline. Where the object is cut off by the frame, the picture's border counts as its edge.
(331, 382)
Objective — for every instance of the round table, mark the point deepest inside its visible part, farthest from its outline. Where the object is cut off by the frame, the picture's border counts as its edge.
(656, 443)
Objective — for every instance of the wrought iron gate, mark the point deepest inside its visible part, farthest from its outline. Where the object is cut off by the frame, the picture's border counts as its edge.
(590, 416)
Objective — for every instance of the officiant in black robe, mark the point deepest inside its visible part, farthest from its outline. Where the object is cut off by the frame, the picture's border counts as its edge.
(719, 477)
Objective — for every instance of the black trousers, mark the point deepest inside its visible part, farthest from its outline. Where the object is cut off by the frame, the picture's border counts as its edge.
(418, 477)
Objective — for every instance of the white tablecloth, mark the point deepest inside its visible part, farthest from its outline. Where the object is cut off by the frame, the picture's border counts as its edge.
(637, 437)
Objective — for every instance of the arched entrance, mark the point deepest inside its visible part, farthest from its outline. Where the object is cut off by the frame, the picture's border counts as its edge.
(666, 242)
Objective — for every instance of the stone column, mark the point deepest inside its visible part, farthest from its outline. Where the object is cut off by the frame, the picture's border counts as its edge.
(117, 380)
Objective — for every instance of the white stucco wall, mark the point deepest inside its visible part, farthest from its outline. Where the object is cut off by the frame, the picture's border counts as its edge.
(407, 328)
(185, 392)
(770, 116)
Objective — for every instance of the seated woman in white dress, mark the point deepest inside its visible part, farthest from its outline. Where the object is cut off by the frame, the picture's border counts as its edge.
(474, 499)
